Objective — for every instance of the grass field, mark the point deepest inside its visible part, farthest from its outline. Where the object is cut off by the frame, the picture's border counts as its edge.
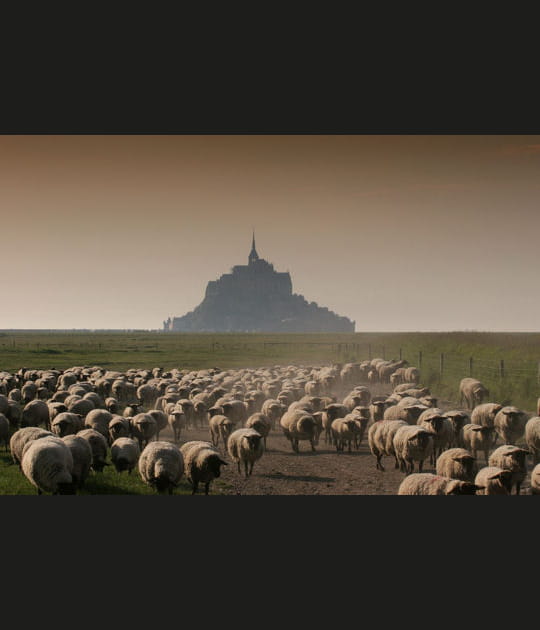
(514, 381)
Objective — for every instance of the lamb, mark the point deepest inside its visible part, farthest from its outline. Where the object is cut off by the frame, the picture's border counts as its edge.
(477, 438)
(473, 392)
(202, 464)
(47, 463)
(511, 458)
(98, 444)
(535, 480)
(177, 421)
(161, 466)
(493, 480)
(261, 424)
(532, 437)
(430, 484)
(299, 425)
(125, 453)
(510, 424)
(412, 443)
(221, 427)
(4, 431)
(67, 423)
(20, 438)
(343, 432)
(143, 427)
(457, 463)
(245, 446)
(81, 452)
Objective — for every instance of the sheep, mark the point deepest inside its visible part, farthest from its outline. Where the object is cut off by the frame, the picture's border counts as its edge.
(511, 458)
(430, 484)
(484, 415)
(177, 421)
(67, 423)
(412, 443)
(47, 463)
(432, 419)
(125, 453)
(161, 466)
(472, 391)
(161, 418)
(273, 410)
(535, 480)
(19, 439)
(412, 375)
(94, 397)
(14, 413)
(260, 423)
(202, 464)
(143, 427)
(81, 452)
(200, 413)
(119, 427)
(493, 480)
(458, 418)
(380, 439)
(220, 427)
(408, 413)
(36, 413)
(457, 463)
(532, 437)
(343, 432)
(4, 431)
(4, 404)
(376, 409)
(361, 417)
(245, 446)
(112, 405)
(477, 438)
(299, 425)
(99, 419)
(510, 424)
(98, 444)
(55, 408)
(356, 399)
(330, 413)
(131, 410)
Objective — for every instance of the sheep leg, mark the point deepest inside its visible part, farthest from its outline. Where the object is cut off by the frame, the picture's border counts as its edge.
(246, 468)
(518, 487)
(239, 471)
(195, 487)
(206, 487)
(420, 465)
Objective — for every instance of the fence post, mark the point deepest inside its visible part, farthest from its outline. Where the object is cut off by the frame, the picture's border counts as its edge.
(419, 358)
(501, 368)
(441, 366)
(470, 366)
(400, 357)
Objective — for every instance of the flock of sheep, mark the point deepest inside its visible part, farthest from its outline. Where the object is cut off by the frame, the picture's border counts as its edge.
(61, 425)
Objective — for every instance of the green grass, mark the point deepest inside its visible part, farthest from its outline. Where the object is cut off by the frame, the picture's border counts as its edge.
(13, 482)
(124, 350)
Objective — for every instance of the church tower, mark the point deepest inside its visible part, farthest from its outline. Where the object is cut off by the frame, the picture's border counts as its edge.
(253, 256)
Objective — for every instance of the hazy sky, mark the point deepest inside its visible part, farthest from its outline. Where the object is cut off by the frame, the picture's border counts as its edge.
(399, 233)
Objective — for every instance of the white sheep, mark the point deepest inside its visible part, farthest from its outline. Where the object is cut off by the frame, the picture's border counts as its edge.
(510, 424)
(67, 423)
(458, 418)
(81, 453)
(19, 439)
(493, 480)
(535, 480)
(261, 423)
(457, 463)
(532, 437)
(245, 446)
(202, 464)
(511, 458)
(161, 466)
(475, 437)
(432, 419)
(119, 427)
(47, 463)
(472, 391)
(299, 425)
(380, 439)
(485, 413)
(4, 431)
(99, 419)
(220, 428)
(412, 443)
(143, 427)
(99, 445)
(125, 453)
(430, 484)
(344, 432)
(161, 418)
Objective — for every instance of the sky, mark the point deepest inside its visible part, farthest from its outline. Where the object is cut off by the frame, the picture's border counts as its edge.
(396, 232)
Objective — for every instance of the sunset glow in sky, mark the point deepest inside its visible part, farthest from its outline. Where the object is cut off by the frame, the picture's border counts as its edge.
(399, 233)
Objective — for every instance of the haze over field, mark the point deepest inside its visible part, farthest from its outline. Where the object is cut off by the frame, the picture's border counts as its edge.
(399, 233)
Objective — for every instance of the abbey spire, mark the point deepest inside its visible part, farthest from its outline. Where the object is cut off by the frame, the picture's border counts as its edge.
(253, 256)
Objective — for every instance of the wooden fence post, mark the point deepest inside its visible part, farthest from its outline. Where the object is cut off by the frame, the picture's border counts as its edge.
(400, 357)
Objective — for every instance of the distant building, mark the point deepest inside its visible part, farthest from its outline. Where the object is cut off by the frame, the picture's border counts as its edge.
(256, 298)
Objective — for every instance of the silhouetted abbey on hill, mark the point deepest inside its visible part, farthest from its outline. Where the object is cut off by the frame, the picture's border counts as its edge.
(255, 298)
